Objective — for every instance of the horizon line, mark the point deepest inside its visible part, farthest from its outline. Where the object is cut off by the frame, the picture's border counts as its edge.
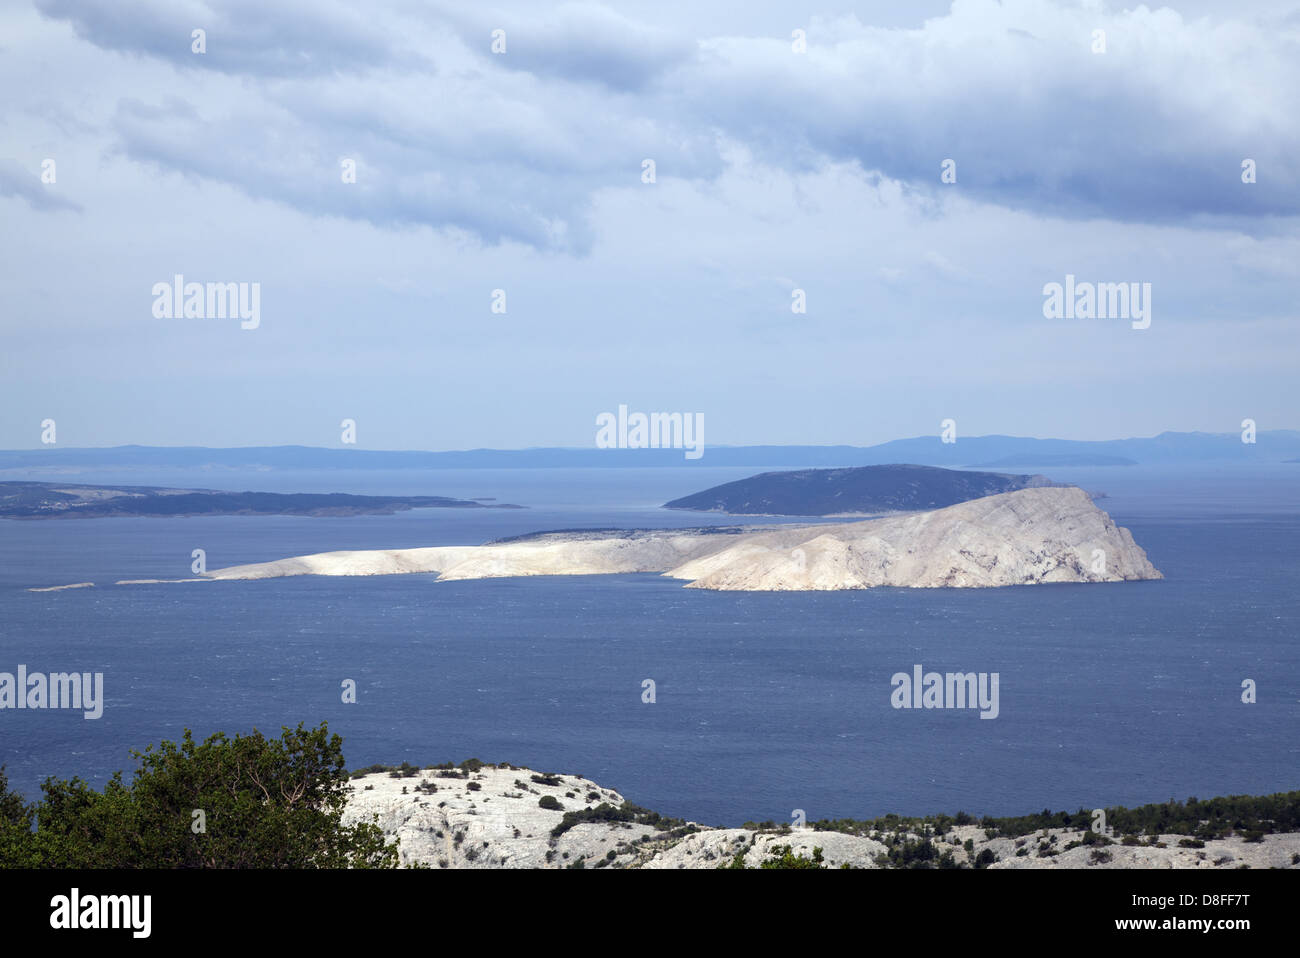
(754, 445)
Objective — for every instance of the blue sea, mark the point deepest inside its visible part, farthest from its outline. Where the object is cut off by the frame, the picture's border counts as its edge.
(1110, 694)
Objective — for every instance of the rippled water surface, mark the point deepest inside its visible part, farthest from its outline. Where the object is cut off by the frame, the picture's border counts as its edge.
(1120, 693)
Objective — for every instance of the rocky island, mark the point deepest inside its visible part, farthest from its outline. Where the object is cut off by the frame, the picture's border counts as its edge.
(1030, 536)
(862, 490)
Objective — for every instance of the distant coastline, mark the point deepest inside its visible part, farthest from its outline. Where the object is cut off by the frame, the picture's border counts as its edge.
(53, 500)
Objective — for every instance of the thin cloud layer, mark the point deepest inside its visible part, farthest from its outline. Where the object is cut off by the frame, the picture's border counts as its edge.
(21, 183)
(288, 38)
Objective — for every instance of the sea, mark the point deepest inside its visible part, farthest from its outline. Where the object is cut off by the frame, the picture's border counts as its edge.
(766, 705)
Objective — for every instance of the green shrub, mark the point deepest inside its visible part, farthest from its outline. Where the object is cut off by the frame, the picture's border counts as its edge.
(1201, 818)
(267, 803)
(627, 813)
(783, 857)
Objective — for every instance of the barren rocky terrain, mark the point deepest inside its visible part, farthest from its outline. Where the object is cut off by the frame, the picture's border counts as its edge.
(1029, 536)
(493, 817)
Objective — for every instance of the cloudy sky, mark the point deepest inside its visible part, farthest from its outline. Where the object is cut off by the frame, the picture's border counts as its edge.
(776, 170)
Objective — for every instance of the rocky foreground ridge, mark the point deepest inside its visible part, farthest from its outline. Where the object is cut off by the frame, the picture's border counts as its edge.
(1029, 536)
(488, 816)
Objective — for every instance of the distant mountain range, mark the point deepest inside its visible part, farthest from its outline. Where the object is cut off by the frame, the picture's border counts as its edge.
(1043, 461)
(976, 451)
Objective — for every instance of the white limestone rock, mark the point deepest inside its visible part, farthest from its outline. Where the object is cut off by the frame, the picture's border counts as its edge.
(501, 825)
(1026, 537)
(1030, 536)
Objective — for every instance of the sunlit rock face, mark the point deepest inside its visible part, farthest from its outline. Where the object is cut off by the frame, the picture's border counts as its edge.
(1029, 536)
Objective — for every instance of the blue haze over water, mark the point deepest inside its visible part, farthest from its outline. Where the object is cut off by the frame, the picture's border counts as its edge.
(1110, 694)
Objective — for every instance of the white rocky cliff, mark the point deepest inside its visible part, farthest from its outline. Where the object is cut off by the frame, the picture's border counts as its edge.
(1030, 536)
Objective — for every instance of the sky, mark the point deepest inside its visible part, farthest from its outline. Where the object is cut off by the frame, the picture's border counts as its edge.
(797, 146)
